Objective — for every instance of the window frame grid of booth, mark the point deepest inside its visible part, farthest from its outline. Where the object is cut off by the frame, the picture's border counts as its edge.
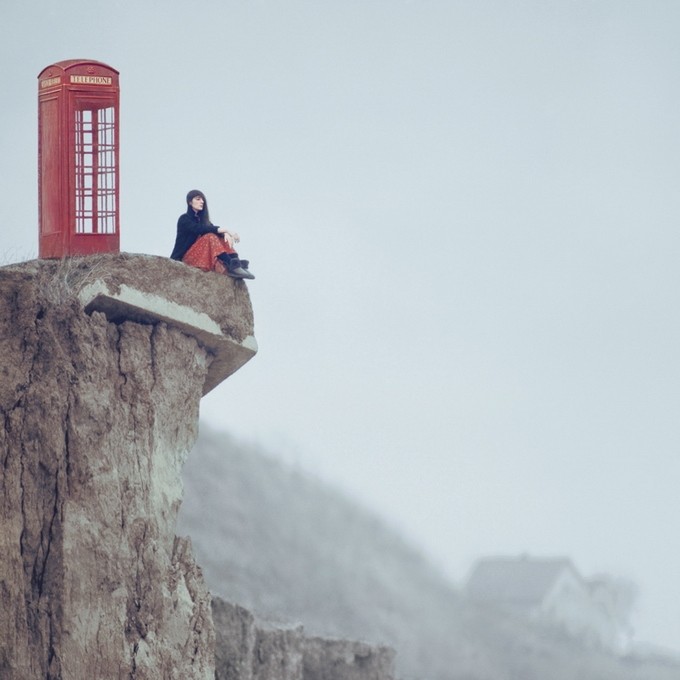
(95, 165)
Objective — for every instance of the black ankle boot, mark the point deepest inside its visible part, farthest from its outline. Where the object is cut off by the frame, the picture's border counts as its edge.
(234, 267)
(244, 265)
(236, 271)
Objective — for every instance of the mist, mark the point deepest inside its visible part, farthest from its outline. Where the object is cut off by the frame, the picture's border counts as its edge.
(462, 218)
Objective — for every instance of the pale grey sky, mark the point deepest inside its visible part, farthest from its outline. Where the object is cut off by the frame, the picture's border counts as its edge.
(463, 221)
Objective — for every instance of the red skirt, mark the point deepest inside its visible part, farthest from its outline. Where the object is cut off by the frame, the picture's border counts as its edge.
(203, 253)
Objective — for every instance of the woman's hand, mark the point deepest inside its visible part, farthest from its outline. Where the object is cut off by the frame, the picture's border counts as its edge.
(231, 237)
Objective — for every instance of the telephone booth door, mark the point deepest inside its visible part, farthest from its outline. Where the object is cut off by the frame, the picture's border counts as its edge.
(78, 159)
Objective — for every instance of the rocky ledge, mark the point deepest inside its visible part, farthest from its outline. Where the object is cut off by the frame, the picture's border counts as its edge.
(103, 362)
(99, 413)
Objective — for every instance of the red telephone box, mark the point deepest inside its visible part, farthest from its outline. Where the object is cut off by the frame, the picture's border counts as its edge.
(78, 170)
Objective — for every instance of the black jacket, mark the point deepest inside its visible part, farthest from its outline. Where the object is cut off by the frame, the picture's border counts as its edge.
(189, 228)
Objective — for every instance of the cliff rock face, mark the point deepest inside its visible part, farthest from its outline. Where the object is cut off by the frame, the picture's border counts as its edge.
(98, 417)
(248, 649)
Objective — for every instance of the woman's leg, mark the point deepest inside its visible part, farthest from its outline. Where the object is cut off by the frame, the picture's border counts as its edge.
(205, 253)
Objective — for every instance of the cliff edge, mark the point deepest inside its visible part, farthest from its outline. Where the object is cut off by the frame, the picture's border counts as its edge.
(103, 361)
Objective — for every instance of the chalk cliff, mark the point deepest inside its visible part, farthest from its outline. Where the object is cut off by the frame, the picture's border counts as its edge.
(250, 649)
(100, 384)
(103, 361)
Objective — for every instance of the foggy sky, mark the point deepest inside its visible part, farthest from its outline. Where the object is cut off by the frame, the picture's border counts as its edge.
(463, 221)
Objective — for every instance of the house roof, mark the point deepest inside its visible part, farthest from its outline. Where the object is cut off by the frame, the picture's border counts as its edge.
(520, 581)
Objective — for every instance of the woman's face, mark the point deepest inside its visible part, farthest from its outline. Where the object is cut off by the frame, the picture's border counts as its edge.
(197, 203)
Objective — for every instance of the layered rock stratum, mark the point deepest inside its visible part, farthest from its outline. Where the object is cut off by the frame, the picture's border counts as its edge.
(99, 414)
(103, 362)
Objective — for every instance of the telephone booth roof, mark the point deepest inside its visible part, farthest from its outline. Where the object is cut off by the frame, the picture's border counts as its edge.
(69, 64)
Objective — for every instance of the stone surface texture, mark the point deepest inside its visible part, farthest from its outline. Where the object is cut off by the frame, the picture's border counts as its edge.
(250, 649)
(346, 660)
(99, 414)
(98, 418)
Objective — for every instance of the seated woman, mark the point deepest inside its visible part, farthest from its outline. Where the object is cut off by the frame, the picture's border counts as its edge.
(201, 244)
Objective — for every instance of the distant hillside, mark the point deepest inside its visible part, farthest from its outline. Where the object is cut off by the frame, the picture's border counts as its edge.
(290, 548)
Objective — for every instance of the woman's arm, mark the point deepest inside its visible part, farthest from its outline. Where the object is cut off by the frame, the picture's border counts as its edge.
(231, 237)
(187, 224)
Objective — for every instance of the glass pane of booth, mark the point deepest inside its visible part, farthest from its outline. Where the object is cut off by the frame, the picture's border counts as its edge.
(95, 167)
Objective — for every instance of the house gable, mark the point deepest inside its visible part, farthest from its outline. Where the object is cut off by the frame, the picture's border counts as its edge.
(549, 591)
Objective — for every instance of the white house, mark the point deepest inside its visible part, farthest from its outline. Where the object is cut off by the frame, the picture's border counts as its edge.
(550, 591)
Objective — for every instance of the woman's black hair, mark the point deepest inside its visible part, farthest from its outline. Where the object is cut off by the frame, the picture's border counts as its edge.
(203, 215)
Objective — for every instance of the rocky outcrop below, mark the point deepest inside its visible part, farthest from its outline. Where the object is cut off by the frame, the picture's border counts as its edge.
(248, 649)
(103, 362)
(98, 416)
